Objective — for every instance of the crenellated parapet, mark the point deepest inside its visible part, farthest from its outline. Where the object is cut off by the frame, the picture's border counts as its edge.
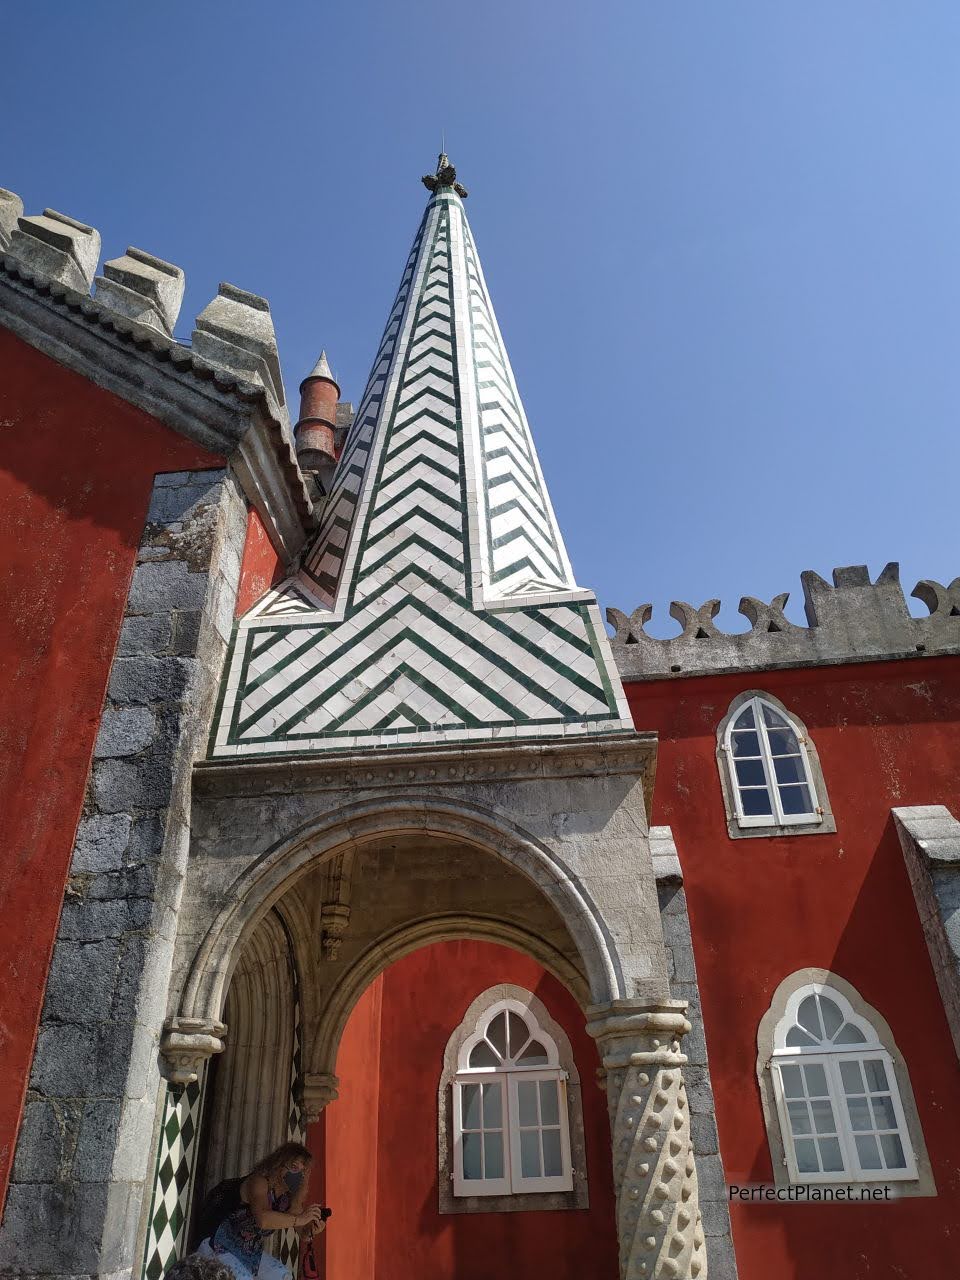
(223, 390)
(849, 620)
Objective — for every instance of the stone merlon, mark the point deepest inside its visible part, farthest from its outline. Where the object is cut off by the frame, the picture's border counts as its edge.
(850, 620)
(225, 392)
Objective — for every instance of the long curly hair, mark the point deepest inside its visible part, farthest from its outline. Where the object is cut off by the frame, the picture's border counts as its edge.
(277, 1160)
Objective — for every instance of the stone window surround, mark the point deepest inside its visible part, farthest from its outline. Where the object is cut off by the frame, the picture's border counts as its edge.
(924, 1183)
(516, 1202)
(827, 824)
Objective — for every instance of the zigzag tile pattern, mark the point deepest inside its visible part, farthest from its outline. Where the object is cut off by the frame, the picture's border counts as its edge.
(524, 553)
(322, 567)
(406, 652)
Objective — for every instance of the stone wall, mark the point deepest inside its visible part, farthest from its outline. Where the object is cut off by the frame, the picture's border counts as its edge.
(703, 1125)
(74, 1206)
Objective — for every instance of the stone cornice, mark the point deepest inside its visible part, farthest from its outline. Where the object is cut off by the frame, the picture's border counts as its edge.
(203, 401)
(632, 755)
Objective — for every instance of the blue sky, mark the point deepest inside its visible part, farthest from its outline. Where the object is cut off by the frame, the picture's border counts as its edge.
(721, 239)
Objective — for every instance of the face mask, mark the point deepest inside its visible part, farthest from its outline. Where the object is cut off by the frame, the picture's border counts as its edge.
(293, 1179)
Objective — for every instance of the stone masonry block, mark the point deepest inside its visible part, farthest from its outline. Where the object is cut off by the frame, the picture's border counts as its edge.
(684, 968)
(169, 584)
(144, 634)
(146, 838)
(124, 731)
(84, 1061)
(122, 785)
(186, 632)
(142, 979)
(93, 1156)
(123, 883)
(716, 1217)
(710, 1175)
(41, 1145)
(178, 506)
(721, 1260)
(83, 920)
(142, 680)
(703, 1129)
(50, 1222)
(81, 981)
(101, 843)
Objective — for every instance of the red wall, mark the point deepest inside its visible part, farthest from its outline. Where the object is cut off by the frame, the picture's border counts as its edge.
(887, 734)
(422, 999)
(260, 569)
(352, 1152)
(78, 469)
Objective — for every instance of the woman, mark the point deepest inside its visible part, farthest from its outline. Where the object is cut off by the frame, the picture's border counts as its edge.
(272, 1196)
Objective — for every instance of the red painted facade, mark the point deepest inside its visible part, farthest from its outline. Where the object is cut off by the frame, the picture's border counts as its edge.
(887, 734)
(260, 569)
(78, 469)
(381, 1135)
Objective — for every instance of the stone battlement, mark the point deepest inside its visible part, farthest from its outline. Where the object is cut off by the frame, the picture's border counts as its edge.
(233, 332)
(850, 620)
(223, 389)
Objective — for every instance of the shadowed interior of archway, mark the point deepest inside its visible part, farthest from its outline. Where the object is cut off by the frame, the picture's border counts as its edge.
(303, 968)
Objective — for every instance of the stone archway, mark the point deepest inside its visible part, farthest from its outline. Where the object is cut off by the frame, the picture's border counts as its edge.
(270, 875)
(566, 821)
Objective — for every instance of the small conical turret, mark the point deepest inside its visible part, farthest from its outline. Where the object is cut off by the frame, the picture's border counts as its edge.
(316, 426)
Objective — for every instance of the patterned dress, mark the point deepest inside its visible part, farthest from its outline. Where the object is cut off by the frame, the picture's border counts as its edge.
(238, 1242)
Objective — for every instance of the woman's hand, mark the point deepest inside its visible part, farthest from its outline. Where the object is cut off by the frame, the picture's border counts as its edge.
(311, 1218)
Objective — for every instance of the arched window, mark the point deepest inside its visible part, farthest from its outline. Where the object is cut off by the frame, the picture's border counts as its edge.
(769, 770)
(510, 1116)
(836, 1092)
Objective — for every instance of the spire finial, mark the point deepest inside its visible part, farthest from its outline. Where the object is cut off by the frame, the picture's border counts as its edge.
(446, 175)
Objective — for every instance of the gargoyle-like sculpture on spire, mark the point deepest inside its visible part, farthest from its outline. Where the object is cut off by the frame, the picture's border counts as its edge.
(446, 176)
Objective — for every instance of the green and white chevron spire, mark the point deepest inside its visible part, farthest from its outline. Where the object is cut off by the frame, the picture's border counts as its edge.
(436, 602)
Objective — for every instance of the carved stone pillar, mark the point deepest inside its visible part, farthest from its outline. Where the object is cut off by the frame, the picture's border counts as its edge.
(654, 1175)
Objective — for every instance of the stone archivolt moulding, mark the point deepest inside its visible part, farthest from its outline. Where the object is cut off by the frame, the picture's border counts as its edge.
(852, 620)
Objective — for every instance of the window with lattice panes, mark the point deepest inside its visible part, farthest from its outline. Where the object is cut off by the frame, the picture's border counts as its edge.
(837, 1097)
(511, 1130)
(769, 768)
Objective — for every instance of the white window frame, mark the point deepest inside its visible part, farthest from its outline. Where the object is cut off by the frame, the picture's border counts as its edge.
(777, 817)
(509, 1076)
(830, 1059)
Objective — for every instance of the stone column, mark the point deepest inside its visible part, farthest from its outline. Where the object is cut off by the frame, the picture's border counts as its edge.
(654, 1175)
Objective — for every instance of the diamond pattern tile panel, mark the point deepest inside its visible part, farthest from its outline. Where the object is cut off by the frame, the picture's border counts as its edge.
(173, 1180)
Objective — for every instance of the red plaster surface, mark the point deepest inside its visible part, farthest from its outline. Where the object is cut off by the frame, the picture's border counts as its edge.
(77, 471)
(351, 1149)
(261, 568)
(422, 1000)
(888, 734)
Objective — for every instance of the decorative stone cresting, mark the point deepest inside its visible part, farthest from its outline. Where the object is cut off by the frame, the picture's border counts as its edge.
(853, 619)
(655, 1178)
